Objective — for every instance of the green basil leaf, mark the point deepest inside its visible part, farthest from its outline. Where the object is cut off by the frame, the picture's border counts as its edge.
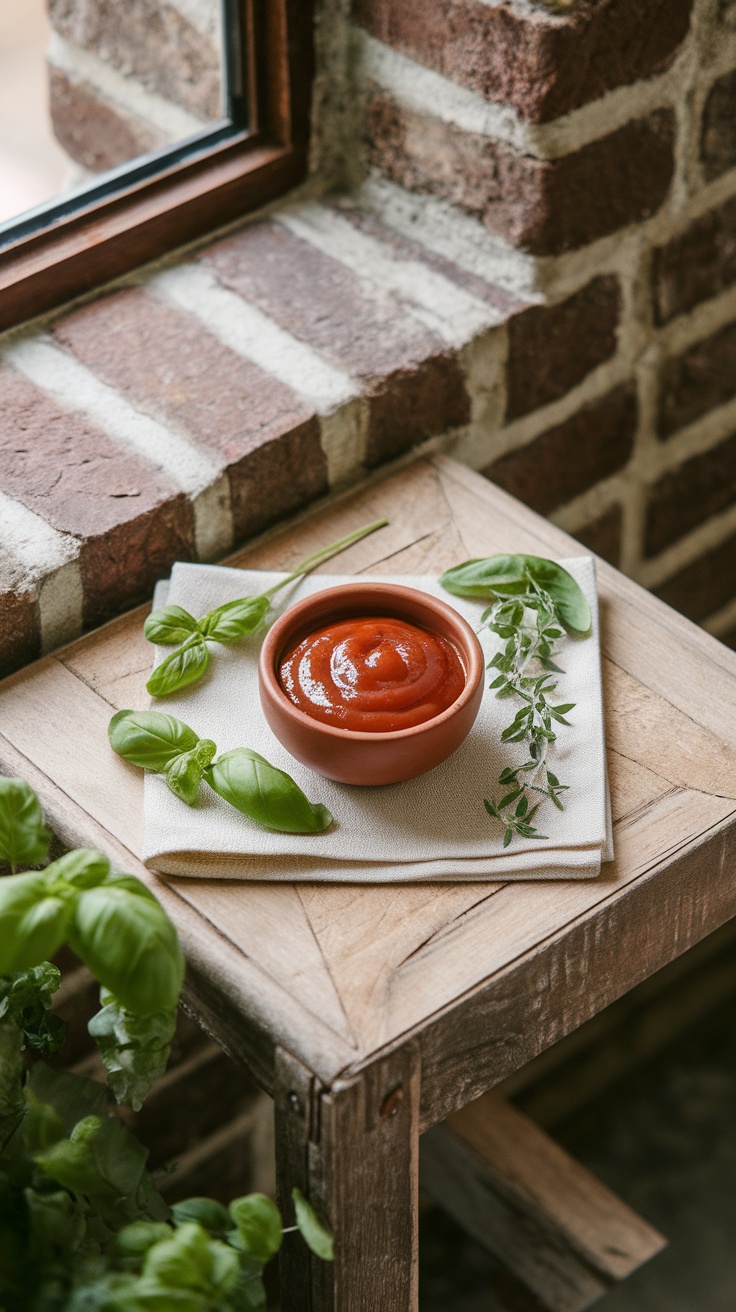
(235, 619)
(128, 942)
(265, 794)
(184, 775)
(42, 1126)
(33, 925)
(82, 868)
(134, 1049)
(315, 1233)
(191, 1259)
(258, 1222)
(170, 625)
(24, 839)
(28, 997)
(135, 1239)
(150, 739)
(508, 574)
(181, 669)
(212, 1216)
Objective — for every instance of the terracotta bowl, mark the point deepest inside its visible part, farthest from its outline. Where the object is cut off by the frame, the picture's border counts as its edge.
(359, 757)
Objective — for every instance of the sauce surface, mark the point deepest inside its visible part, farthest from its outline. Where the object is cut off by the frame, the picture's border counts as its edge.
(372, 674)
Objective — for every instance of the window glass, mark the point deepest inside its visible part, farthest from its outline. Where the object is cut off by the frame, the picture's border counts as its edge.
(90, 86)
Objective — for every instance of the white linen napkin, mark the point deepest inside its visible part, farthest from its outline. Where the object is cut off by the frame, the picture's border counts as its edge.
(431, 828)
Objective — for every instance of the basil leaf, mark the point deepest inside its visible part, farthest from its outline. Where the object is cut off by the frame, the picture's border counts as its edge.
(265, 794)
(134, 1049)
(212, 1216)
(169, 625)
(82, 868)
(33, 925)
(509, 574)
(190, 1260)
(128, 942)
(258, 1222)
(24, 839)
(236, 619)
(183, 667)
(315, 1233)
(27, 998)
(184, 775)
(150, 739)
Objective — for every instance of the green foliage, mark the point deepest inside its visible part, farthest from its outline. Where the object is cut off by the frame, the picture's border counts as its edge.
(530, 599)
(498, 576)
(82, 1225)
(245, 780)
(315, 1233)
(265, 794)
(232, 622)
(24, 839)
(134, 1048)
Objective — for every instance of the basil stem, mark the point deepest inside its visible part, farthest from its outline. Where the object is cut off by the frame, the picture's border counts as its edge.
(231, 622)
(164, 745)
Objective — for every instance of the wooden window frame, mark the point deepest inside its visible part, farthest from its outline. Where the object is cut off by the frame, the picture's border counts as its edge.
(146, 219)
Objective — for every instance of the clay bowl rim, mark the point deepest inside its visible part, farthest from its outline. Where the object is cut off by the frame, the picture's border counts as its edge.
(471, 657)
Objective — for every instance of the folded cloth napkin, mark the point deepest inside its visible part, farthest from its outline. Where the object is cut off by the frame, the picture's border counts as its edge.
(431, 828)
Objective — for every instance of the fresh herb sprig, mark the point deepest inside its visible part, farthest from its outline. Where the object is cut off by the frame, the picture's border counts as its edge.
(534, 601)
(164, 745)
(172, 626)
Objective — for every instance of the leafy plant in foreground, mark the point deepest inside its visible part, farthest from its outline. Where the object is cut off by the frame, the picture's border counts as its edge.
(172, 626)
(533, 602)
(82, 1226)
(164, 745)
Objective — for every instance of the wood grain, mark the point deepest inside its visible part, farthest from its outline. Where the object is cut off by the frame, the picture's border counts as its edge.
(483, 976)
(565, 1236)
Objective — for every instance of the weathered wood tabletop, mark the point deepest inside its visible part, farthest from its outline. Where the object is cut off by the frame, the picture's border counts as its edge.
(331, 988)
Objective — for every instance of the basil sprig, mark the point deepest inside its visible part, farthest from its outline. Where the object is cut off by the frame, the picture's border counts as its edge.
(164, 745)
(172, 626)
(533, 600)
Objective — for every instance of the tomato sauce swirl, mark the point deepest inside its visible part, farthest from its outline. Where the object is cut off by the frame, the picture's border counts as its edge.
(373, 673)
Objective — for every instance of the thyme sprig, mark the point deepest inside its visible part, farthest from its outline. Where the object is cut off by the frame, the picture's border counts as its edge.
(534, 601)
(529, 626)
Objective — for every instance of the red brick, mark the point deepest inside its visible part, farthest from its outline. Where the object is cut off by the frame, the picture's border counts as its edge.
(706, 585)
(167, 364)
(697, 264)
(150, 41)
(568, 459)
(94, 133)
(541, 62)
(20, 635)
(700, 379)
(603, 535)
(701, 487)
(543, 206)
(551, 348)
(132, 523)
(718, 133)
(374, 339)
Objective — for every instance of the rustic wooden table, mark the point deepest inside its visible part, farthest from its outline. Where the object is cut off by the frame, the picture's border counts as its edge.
(372, 1013)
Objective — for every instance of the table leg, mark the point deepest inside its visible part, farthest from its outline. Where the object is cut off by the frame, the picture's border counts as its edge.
(354, 1152)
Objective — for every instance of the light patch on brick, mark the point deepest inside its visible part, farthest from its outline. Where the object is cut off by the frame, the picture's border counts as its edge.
(213, 520)
(202, 14)
(175, 123)
(60, 605)
(343, 440)
(250, 333)
(424, 91)
(444, 229)
(77, 388)
(443, 307)
(47, 559)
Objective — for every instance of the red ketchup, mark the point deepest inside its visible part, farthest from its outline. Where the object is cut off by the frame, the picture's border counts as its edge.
(372, 674)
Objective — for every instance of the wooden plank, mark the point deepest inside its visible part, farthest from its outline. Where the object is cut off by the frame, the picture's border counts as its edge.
(364, 1177)
(503, 1022)
(558, 1229)
(296, 1097)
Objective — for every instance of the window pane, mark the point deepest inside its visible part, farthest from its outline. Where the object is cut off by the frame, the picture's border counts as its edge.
(92, 85)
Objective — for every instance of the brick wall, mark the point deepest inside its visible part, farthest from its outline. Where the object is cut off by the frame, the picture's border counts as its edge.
(535, 270)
